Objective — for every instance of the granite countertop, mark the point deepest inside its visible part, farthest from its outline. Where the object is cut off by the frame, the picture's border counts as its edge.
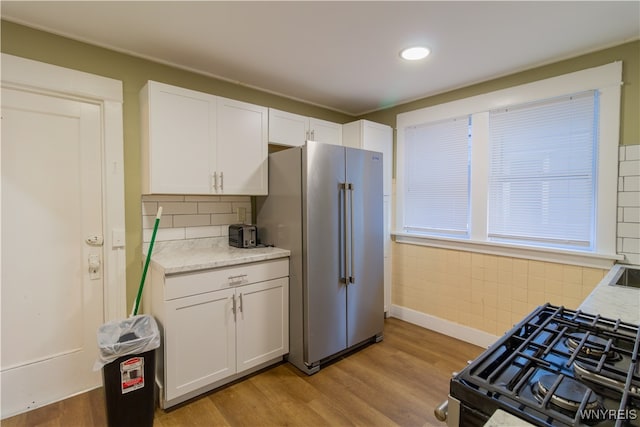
(180, 256)
(501, 418)
(616, 302)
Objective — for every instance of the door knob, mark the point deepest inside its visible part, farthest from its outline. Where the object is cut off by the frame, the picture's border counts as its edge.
(94, 240)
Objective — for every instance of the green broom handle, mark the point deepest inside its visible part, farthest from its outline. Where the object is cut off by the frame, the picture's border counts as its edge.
(146, 263)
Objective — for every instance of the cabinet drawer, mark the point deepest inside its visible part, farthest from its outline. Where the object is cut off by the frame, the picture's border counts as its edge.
(182, 285)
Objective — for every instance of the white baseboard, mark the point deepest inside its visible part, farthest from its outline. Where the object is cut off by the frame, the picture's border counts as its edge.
(446, 327)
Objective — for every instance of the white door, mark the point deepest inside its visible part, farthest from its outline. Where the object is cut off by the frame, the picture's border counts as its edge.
(51, 204)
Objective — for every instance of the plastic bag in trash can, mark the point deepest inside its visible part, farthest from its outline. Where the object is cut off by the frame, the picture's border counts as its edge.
(135, 335)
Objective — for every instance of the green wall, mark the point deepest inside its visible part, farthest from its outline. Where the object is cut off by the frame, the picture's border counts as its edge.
(134, 72)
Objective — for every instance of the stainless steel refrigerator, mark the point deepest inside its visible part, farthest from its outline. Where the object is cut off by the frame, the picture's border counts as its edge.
(325, 206)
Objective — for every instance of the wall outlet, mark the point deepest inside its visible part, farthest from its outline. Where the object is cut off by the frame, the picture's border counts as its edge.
(242, 215)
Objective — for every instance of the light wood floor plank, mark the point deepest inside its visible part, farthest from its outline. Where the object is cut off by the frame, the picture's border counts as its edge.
(397, 382)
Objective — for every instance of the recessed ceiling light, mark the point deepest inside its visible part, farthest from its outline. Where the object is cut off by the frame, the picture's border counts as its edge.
(415, 53)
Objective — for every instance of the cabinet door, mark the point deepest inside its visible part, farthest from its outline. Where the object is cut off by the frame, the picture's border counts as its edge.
(199, 341)
(178, 139)
(287, 128)
(375, 137)
(242, 148)
(324, 131)
(262, 322)
(378, 137)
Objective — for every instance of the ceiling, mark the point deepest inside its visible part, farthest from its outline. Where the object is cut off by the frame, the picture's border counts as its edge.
(342, 55)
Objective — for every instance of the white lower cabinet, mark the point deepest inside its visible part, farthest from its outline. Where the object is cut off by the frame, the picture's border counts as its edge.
(200, 346)
(211, 338)
(262, 323)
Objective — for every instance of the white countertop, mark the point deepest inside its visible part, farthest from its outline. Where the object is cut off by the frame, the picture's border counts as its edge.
(180, 256)
(501, 418)
(615, 302)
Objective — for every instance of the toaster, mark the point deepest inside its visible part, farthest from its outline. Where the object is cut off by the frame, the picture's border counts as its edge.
(243, 236)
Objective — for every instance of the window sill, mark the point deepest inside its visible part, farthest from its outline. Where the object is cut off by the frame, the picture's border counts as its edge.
(604, 261)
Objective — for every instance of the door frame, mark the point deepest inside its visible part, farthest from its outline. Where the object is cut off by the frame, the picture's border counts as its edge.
(39, 77)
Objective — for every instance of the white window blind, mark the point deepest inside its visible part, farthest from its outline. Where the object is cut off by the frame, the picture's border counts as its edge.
(542, 172)
(436, 193)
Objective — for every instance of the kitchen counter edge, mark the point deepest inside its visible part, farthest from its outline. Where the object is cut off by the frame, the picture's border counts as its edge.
(616, 302)
(184, 256)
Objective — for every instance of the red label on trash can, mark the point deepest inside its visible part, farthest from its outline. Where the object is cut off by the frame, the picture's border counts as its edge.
(132, 374)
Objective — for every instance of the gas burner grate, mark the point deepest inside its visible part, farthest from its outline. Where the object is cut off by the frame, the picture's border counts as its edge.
(560, 344)
(565, 392)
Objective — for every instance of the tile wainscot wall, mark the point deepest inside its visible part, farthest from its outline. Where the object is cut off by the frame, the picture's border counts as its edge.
(490, 293)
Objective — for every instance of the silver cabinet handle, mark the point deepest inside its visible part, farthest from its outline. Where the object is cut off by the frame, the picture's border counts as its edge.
(234, 306)
(238, 279)
(214, 182)
(221, 181)
(241, 302)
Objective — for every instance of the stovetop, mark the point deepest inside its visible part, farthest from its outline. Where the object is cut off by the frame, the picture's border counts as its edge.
(558, 367)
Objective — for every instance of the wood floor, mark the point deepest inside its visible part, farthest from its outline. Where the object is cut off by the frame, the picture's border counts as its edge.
(397, 382)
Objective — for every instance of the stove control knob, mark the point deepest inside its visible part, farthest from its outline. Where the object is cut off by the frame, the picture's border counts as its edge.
(441, 411)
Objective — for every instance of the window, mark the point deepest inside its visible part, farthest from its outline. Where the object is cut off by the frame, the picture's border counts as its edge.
(542, 172)
(437, 189)
(532, 173)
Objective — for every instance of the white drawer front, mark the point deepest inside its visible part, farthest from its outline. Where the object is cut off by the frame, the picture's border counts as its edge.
(182, 285)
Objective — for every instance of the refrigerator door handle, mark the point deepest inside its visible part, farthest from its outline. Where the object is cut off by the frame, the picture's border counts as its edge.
(345, 261)
(352, 277)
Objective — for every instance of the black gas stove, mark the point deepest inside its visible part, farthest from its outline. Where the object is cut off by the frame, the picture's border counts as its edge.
(558, 367)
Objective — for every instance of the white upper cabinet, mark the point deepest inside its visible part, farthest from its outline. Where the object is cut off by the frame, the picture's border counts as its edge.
(242, 148)
(375, 137)
(197, 143)
(293, 129)
(287, 128)
(178, 139)
(324, 131)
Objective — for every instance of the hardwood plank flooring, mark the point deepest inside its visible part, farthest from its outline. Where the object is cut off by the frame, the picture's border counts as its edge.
(397, 382)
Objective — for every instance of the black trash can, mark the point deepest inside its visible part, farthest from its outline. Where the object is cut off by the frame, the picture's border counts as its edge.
(127, 353)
